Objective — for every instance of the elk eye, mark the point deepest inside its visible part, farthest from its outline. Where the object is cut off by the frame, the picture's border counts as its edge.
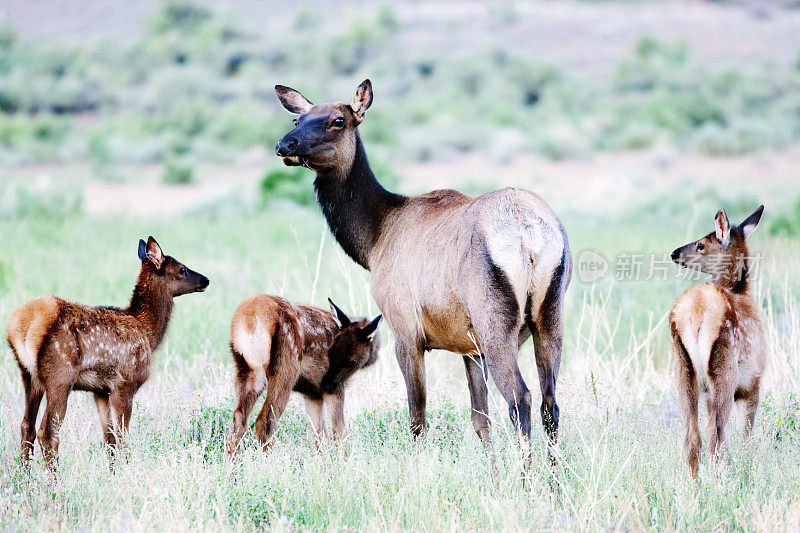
(338, 122)
(700, 247)
(352, 363)
(182, 272)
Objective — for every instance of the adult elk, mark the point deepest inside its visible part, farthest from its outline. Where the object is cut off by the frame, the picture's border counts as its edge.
(61, 346)
(283, 347)
(475, 276)
(718, 336)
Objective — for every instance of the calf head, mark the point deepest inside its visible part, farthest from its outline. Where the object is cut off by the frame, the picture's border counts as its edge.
(171, 274)
(721, 252)
(355, 346)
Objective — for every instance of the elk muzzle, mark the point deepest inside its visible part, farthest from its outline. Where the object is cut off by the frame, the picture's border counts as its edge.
(289, 148)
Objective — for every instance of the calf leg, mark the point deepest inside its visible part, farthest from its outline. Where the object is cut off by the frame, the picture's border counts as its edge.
(335, 406)
(274, 405)
(748, 405)
(722, 375)
(412, 366)
(57, 395)
(104, 412)
(314, 410)
(33, 399)
(720, 405)
(121, 402)
(688, 396)
(249, 386)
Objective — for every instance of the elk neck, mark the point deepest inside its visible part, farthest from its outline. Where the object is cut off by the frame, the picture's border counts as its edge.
(733, 271)
(355, 205)
(151, 305)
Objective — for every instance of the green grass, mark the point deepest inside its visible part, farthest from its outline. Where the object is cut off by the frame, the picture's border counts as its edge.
(621, 465)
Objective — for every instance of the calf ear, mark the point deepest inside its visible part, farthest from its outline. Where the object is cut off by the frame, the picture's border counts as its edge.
(722, 227)
(751, 223)
(292, 100)
(338, 315)
(369, 331)
(362, 100)
(154, 253)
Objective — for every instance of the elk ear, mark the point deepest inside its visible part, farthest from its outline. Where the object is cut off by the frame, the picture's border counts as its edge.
(338, 315)
(362, 100)
(292, 100)
(369, 331)
(751, 223)
(142, 250)
(154, 253)
(722, 227)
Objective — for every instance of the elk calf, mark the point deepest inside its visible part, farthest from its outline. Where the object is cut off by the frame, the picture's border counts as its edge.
(283, 347)
(61, 346)
(717, 335)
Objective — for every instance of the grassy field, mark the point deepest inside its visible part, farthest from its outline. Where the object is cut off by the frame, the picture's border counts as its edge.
(169, 132)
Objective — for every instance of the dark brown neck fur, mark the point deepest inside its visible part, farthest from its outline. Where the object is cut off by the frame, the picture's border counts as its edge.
(733, 271)
(355, 205)
(151, 305)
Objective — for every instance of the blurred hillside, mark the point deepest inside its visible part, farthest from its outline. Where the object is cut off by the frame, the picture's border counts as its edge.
(181, 92)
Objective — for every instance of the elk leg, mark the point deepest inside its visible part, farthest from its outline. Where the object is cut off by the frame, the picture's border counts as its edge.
(477, 376)
(314, 410)
(335, 406)
(267, 421)
(720, 404)
(748, 405)
(505, 371)
(412, 366)
(57, 395)
(104, 412)
(688, 396)
(33, 399)
(248, 389)
(121, 401)
(548, 334)
(722, 376)
(547, 348)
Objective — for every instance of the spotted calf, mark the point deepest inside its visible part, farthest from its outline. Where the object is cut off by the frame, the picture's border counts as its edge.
(61, 346)
(718, 335)
(287, 347)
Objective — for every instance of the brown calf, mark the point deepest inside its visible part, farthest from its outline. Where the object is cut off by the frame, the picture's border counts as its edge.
(717, 336)
(283, 347)
(475, 276)
(61, 346)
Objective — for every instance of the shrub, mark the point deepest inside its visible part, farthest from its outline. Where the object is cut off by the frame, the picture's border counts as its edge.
(176, 173)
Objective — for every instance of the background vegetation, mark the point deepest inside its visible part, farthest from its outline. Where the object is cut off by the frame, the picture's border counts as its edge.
(169, 132)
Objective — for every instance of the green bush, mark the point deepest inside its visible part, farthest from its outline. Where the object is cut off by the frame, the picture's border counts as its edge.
(176, 173)
(291, 183)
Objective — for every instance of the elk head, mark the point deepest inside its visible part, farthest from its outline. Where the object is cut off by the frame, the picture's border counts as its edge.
(166, 270)
(324, 137)
(723, 251)
(354, 347)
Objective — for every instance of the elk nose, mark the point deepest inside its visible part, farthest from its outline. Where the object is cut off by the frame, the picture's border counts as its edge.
(287, 147)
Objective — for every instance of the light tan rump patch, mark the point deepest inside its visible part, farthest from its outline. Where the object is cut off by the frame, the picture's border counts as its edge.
(27, 327)
(698, 316)
(252, 328)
